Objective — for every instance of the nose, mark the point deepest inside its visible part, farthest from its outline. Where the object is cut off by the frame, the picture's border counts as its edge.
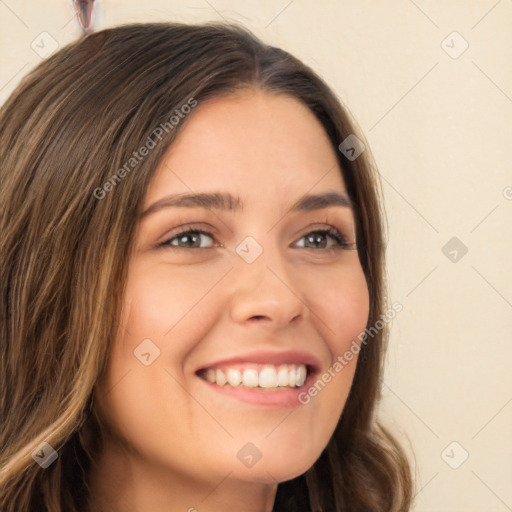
(266, 290)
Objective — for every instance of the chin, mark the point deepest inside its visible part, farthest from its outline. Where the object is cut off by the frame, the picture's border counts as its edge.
(280, 470)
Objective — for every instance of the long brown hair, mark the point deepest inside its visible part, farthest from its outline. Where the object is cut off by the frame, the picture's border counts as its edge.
(65, 132)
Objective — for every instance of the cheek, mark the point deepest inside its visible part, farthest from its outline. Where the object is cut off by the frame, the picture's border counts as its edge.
(161, 302)
(153, 302)
(164, 314)
(163, 309)
(340, 303)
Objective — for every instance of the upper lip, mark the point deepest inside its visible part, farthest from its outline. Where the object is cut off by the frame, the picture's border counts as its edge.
(269, 357)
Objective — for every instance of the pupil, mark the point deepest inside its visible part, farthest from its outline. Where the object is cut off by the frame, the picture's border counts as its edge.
(316, 239)
(190, 236)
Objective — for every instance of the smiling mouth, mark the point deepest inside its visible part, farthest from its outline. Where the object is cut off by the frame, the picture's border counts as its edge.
(266, 377)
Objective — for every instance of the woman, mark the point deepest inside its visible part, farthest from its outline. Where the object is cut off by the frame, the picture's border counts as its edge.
(192, 247)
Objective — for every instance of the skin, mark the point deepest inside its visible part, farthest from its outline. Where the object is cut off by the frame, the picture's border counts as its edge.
(174, 441)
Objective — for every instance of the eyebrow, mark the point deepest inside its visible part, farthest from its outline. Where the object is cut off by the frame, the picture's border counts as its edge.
(228, 202)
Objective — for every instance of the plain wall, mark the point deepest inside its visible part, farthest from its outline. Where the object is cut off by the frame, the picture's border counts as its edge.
(439, 125)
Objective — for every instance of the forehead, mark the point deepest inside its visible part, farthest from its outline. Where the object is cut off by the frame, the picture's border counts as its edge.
(253, 144)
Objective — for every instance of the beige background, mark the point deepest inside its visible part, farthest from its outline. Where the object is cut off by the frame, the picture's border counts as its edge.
(440, 129)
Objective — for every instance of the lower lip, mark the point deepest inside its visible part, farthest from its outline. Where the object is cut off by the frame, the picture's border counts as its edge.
(281, 398)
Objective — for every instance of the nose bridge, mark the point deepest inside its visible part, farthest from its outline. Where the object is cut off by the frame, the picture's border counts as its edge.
(264, 284)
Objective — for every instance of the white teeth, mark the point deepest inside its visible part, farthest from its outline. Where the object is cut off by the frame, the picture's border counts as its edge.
(220, 377)
(250, 378)
(282, 376)
(234, 377)
(292, 377)
(301, 375)
(269, 377)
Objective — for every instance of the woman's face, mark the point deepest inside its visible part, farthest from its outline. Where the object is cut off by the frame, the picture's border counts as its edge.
(260, 291)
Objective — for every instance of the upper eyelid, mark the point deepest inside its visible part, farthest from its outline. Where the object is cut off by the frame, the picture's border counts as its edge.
(212, 231)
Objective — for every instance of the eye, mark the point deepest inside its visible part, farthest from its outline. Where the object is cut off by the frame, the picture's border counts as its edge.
(315, 238)
(191, 239)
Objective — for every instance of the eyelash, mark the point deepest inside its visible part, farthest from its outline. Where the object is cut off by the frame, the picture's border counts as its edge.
(335, 234)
